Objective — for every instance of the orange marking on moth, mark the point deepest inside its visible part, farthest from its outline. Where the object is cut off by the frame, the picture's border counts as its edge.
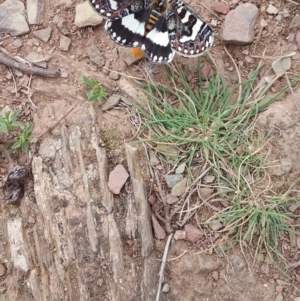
(137, 52)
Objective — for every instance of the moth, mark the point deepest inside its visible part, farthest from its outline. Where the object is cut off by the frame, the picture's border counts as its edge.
(159, 27)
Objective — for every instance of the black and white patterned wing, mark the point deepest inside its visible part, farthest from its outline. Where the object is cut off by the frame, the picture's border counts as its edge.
(115, 9)
(189, 35)
(143, 29)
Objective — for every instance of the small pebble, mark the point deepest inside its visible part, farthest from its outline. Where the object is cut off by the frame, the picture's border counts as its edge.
(166, 288)
(17, 43)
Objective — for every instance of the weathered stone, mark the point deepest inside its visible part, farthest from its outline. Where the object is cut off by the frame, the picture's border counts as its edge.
(216, 225)
(114, 75)
(238, 26)
(117, 178)
(37, 59)
(95, 55)
(170, 199)
(43, 34)
(17, 43)
(272, 10)
(221, 7)
(61, 24)
(180, 169)
(159, 232)
(179, 234)
(192, 233)
(85, 15)
(111, 102)
(172, 180)
(282, 65)
(64, 43)
(35, 10)
(295, 22)
(12, 18)
(179, 188)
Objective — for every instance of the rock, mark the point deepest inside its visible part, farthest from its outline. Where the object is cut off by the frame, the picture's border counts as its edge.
(179, 234)
(197, 264)
(298, 40)
(114, 75)
(179, 188)
(293, 207)
(214, 23)
(95, 55)
(152, 199)
(295, 22)
(170, 199)
(205, 192)
(17, 43)
(221, 7)
(3, 270)
(12, 18)
(297, 299)
(172, 180)
(37, 59)
(64, 73)
(238, 26)
(159, 232)
(215, 275)
(192, 233)
(298, 243)
(43, 34)
(117, 178)
(165, 288)
(279, 297)
(168, 151)
(35, 11)
(126, 55)
(61, 24)
(272, 10)
(153, 158)
(216, 225)
(279, 288)
(281, 65)
(209, 179)
(180, 169)
(64, 43)
(85, 15)
(281, 282)
(111, 102)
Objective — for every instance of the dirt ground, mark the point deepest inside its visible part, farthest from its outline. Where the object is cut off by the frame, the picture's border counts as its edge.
(206, 276)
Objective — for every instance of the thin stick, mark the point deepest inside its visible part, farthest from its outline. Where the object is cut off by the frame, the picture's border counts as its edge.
(28, 69)
(162, 266)
(49, 129)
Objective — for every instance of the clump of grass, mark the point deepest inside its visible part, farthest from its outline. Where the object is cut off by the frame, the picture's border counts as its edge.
(95, 92)
(214, 121)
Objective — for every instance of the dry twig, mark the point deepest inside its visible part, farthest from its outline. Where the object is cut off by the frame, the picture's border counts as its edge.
(28, 69)
(162, 267)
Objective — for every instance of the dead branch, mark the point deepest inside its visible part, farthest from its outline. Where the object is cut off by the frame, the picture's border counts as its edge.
(28, 69)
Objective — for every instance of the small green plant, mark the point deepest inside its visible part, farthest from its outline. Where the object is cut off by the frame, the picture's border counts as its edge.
(96, 91)
(10, 121)
(24, 139)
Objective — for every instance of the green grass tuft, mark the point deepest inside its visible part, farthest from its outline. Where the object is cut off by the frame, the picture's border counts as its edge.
(216, 123)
